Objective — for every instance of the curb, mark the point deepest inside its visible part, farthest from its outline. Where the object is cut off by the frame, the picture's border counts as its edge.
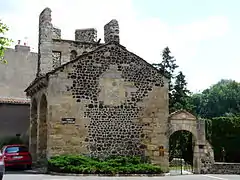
(110, 175)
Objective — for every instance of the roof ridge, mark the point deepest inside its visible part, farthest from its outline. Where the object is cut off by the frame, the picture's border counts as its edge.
(14, 100)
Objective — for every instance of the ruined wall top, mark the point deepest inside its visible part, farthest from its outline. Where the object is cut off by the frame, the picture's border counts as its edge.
(111, 31)
(56, 33)
(45, 36)
(47, 44)
(86, 35)
(45, 17)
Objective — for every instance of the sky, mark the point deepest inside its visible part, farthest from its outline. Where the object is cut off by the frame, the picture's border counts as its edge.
(203, 35)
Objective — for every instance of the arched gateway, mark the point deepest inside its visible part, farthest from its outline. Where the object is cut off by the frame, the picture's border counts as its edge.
(202, 152)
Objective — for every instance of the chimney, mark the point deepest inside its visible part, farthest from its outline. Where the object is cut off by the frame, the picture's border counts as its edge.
(22, 48)
(111, 31)
(86, 35)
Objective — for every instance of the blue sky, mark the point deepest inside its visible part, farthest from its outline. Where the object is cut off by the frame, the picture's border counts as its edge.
(203, 35)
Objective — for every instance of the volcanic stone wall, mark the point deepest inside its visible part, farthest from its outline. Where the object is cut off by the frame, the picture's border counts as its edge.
(112, 129)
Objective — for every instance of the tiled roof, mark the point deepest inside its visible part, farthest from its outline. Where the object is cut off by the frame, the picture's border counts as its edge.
(4, 100)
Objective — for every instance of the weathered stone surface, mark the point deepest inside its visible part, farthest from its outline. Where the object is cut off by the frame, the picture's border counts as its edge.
(111, 31)
(45, 63)
(225, 168)
(203, 157)
(86, 35)
(56, 33)
(206, 158)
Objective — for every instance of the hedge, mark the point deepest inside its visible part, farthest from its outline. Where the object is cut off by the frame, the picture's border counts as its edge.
(224, 132)
(79, 164)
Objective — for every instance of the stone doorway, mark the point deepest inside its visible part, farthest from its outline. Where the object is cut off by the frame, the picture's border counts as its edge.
(33, 130)
(42, 141)
(184, 121)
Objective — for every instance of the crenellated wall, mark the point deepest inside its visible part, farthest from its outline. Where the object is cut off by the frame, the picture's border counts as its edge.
(66, 46)
(86, 35)
(54, 51)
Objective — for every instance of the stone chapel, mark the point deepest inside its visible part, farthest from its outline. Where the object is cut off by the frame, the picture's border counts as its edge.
(95, 98)
(100, 99)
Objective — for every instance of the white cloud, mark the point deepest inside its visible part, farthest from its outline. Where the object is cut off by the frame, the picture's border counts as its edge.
(146, 37)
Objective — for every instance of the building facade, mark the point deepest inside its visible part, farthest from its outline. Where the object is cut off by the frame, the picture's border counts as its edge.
(95, 98)
(15, 76)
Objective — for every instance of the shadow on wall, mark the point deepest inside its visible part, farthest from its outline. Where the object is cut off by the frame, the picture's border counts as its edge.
(18, 139)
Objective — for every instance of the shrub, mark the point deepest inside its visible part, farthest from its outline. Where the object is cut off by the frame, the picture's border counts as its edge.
(224, 132)
(112, 165)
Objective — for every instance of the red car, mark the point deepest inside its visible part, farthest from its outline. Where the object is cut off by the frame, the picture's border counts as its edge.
(16, 155)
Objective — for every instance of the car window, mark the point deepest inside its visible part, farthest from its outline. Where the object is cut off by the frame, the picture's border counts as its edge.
(16, 149)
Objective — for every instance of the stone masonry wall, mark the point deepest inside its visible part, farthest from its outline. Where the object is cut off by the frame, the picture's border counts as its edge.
(86, 35)
(56, 33)
(64, 47)
(225, 168)
(111, 31)
(45, 42)
(119, 102)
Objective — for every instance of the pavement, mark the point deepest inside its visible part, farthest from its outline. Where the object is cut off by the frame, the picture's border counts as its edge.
(24, 176)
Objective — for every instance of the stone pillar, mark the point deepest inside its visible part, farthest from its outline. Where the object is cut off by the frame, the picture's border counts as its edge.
(45, 42)
(56, 33)
(86, 35)
(111, 31)
(201, 131)
(196, 159)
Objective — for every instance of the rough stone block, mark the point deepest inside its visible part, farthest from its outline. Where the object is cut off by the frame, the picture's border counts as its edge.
(86, 35)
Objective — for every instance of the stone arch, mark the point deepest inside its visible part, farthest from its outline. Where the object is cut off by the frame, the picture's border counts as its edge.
(73, 55)
(33, 129)
(42, 128)
(184, 121)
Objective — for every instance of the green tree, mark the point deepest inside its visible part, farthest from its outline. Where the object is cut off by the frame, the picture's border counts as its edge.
(221, 99)
(168, 67)
(181, 95)
(4, 41)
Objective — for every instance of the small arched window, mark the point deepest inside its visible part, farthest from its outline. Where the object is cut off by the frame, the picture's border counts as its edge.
(73, 55)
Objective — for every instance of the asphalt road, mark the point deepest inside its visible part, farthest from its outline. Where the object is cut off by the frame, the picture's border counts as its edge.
(183, 177)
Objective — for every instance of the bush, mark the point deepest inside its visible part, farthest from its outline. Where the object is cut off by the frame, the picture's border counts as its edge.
(224, 132)
(112, 165)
